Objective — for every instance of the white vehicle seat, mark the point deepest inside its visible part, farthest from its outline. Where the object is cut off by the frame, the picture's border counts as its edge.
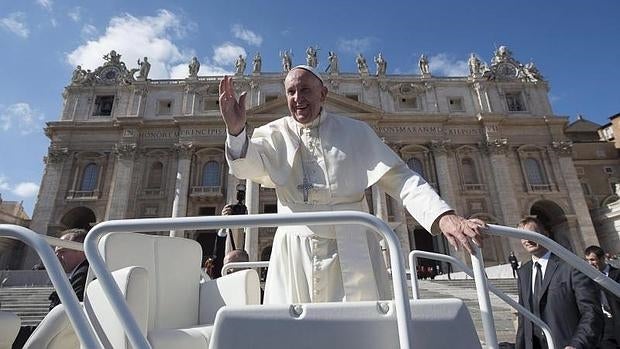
(438, 324)
(172, 307)
(9, 327)
(54, 332)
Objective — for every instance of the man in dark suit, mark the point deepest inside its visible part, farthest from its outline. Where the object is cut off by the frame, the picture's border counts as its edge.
(610, 304)
(73, 262)
(565, 299)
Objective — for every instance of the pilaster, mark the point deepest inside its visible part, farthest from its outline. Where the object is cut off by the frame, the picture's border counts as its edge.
(120, 187)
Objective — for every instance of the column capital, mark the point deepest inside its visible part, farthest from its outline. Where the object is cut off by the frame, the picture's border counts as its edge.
(495, 146)
(125, 151)
(184, 150)
(56, 154)
(440, 146)
(563, 148)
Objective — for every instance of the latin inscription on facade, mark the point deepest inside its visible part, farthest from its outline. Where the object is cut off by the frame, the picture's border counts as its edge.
(162, 133)
(433, 130)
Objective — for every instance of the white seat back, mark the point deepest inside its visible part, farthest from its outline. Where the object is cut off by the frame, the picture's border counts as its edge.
(9, 327)
(173, 269)
(437, 324)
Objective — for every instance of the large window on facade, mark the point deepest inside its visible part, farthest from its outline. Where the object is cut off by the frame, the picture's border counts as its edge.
(470, 176)
(103, 105)
(89, 177)
(155, 175)
(514, 102)
(535, 175)
(416, 165)
(211, 174)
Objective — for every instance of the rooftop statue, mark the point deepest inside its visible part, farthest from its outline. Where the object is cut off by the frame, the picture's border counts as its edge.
(287, 62)
(257, 63)
(332, 67)
(474, 64)
(311, 58)
(145, 68)
(240, 65)
(381, 65)
(112, 58)
(423, 64)
(362, 66)
(194, 67)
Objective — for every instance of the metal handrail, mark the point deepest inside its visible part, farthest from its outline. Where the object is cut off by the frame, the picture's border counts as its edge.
(232, 265)
(484, 302)
(117, 302)
(74, 311)
(413, 255)
(557, 249)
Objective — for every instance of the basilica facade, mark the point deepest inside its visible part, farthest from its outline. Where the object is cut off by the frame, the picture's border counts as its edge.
(489, 142)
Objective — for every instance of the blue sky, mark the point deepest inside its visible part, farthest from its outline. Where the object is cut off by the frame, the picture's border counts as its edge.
(573, 43)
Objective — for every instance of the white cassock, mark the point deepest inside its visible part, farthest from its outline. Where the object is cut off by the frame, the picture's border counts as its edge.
(340, 157)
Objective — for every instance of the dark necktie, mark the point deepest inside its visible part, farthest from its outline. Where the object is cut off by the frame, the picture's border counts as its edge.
(537, 289)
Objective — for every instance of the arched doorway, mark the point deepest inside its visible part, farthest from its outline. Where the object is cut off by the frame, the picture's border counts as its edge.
(553, 219)
(79, 217)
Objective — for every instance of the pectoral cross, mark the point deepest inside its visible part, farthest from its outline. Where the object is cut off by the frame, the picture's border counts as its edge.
(305, 188)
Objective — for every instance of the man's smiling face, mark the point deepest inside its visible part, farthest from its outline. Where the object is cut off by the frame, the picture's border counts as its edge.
(305, 94)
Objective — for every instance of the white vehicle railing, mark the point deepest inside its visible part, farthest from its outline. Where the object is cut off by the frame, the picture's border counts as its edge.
(480, 277)
(41, 244)
(237, 265)
(557, 249)
(401, 303)
(414, 255)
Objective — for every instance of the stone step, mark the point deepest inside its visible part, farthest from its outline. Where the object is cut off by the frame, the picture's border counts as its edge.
(503, 314)
(29, 303)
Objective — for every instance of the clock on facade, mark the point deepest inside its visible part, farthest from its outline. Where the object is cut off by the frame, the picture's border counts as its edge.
(506, 71)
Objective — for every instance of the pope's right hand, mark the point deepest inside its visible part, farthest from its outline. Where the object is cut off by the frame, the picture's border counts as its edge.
(232, 110)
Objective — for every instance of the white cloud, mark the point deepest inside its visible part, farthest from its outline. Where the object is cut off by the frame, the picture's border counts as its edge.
(16, 23)
(246, 35)
(443, 64)
(4, 185)
(136, 37)
(355, 45)
(227, 54)
(75, 14)
(88, 32)
(46, 4)
(23, 189)
(54, 22)
(20, 116)
(26, 189)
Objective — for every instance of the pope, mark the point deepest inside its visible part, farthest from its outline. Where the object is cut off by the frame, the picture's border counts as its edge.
(319, 161)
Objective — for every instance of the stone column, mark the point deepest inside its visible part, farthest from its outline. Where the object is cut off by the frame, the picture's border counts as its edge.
(251, 234)
(447, 189)
(121, 185)
(48, 192)
(567, 168)
(444, 178)
(181, 185)
(380, 209)
(496, 150)
(231, 198)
